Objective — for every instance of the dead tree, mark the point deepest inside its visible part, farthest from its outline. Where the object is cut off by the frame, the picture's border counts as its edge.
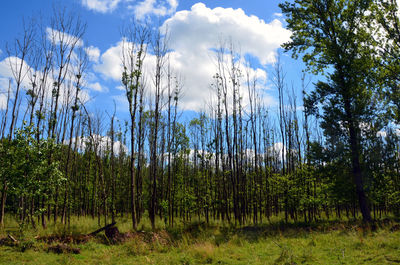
(134, 51)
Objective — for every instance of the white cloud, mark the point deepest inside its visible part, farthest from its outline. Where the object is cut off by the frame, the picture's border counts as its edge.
(13, 64)
(398, 5)
(93, 53)
(276, 150)
(381, 133)
(141, 9)
(110, 63)
(194, 36)
(56, 37)
(3, 102)
(154, 7)
(97, 87)
(202, 27)
(84, 96)
(6, 74)
(4, 83)
(102, 6)
(101, 143)
(384, 133)
(194, 33)
(121, 101)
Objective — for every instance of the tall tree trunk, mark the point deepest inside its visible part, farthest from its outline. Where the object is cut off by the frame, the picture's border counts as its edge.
(3, 202)
(358, 176)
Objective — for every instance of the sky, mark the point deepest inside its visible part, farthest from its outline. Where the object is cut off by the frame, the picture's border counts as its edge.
(256, 27)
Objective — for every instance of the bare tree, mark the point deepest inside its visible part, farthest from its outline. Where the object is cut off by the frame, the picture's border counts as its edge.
(159, 48)
(113, 173)
(80, 67)
(136, 39)
(16, 59)
(65, 34)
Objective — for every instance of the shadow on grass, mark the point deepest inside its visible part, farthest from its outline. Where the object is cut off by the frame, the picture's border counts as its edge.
(222, 233)
(185, 234)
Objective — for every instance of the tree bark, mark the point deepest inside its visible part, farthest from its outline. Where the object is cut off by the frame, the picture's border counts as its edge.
(358, 176)
(3, 202)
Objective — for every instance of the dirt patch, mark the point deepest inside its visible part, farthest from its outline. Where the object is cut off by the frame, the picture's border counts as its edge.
(63, 248)
(5, 241)
(76, 239)
(395, 228)
(162, 237)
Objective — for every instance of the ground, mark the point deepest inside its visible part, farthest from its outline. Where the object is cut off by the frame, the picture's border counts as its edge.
(325, 242)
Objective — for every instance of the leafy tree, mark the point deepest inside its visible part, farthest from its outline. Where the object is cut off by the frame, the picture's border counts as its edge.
(387, 20)
(333, 38)
(24, 167)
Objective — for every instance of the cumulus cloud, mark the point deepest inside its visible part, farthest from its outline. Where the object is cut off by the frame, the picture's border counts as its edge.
(194, 36)
(101, 143)
(4, 83)
(101, 6)
(56, 37)
(97, 87)
(12, 64)
(141, 9)
(201, 27)
(277, 149)
(3, 102)
(110, 65)
(9, 66)
(195, 33)
(381, 133)
(154, 7)
(122, 102)
(384, 132)
(93, 53)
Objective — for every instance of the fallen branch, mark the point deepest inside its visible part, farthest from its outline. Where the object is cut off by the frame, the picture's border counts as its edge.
(102, 229)
(12, 238)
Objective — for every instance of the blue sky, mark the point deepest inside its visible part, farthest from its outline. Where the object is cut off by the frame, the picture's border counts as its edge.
(256, 26)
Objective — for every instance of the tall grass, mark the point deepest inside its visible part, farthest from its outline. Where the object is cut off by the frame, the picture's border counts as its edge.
(273, 242)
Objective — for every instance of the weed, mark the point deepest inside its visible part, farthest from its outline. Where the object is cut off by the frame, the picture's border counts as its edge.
(25, 245)
(199, 243)
(286, 257)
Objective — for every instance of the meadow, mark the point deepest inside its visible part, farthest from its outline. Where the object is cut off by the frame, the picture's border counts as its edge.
(274, 242)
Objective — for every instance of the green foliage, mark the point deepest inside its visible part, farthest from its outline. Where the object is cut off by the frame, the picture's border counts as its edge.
(331, 243)
(24, 165)
(336, 38)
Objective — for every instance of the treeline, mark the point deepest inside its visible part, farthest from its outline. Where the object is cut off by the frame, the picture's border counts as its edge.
(238, 161)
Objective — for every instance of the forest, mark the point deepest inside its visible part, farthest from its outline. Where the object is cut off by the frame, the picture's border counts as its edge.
(332, 154)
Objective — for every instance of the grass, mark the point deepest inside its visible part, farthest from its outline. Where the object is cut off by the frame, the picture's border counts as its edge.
(329, 242)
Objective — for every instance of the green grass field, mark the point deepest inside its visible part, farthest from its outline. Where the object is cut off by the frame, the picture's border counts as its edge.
(273, 243)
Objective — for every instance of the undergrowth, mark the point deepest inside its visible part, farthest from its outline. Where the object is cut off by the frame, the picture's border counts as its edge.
(274, 242)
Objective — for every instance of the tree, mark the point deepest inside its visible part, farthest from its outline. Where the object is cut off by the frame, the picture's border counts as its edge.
(333, 38)
(387, 21)
(25, 167)
(19, 69)
(133, 55)
(65, 35)
(79, 70)
(160, 49)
